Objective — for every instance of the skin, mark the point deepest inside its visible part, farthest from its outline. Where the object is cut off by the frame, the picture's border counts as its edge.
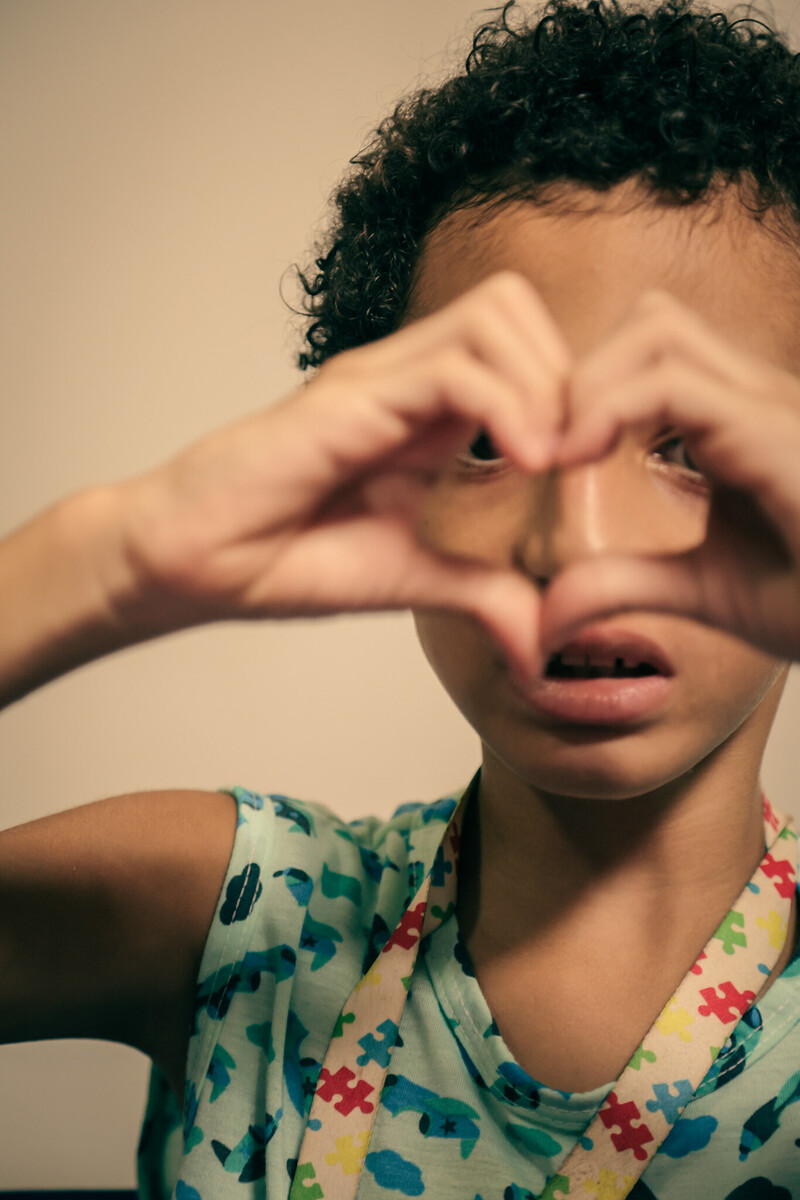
(615, 846)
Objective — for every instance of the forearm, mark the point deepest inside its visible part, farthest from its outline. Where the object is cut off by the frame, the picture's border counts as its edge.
(63, 585)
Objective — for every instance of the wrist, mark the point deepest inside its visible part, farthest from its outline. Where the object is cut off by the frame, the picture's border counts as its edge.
(67, 594)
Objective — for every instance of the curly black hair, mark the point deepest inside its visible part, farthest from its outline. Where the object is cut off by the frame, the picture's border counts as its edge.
(594, 93)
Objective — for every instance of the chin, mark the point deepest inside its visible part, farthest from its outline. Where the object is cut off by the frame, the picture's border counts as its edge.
(608, 770)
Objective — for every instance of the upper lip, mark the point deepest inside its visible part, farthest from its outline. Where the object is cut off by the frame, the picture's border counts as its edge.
(606, 644)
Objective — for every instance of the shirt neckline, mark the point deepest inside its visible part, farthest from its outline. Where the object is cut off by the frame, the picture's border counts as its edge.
(494, 1068)
(482, 1047)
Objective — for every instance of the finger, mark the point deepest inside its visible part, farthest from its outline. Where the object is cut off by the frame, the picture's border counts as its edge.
(356, 428)
(601, 587)
(720, 421)
(509, 292)
(371, 563)
(743, 442)
(403, 493)
(503, 602)
(658, 325)
(494, 340)
(759, 609)
(526, 312)
(504, 323)
(483, 399)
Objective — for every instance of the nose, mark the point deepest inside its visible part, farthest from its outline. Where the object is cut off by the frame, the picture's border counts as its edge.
(596, 508)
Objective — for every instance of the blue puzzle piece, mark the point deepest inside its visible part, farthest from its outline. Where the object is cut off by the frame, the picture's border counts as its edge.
(375, 1050)
(671, 1106)
(441, 869)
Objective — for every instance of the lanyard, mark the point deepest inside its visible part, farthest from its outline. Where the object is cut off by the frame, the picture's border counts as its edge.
(653, 1089)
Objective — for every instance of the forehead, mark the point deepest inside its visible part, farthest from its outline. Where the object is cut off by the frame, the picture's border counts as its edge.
(590, 255)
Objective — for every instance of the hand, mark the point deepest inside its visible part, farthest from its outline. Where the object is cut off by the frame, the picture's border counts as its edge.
(740, 420)
(312, 506)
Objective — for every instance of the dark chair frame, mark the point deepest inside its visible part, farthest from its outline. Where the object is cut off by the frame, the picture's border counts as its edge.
(86, 1194)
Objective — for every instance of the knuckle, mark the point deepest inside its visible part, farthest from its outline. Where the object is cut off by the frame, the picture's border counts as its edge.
(666, 327)
(479, 302)
(445, 362)
(502, 284)
(478, 321)
(509, 280)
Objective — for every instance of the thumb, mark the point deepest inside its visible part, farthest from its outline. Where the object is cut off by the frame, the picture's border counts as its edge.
(600, 587)
(504, 602)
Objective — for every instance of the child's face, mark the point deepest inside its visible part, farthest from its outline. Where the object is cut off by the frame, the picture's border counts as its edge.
(589, 270)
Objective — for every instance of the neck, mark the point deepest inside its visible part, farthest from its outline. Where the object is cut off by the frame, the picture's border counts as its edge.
(657, 871)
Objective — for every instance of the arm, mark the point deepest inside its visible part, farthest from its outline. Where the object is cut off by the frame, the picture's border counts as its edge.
(308, 508)
(106, 909)
(56, 583)
(311, 507)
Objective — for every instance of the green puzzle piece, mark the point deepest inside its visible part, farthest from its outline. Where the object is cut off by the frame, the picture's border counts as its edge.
(342, 1020)
(639, 1056)
(730, 937)
(302, 1189)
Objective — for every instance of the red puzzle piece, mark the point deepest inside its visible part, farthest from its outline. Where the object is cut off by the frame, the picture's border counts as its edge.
(630, 1136)
(409, 929)
(339, 1085)
(727, 1005)
(784, 884)
(769, 812)
(455, 842)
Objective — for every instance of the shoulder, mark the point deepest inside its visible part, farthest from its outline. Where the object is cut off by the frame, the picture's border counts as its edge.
(106, 908)
(149, 848)
(304, 887)
(307, 900)
(302, 847)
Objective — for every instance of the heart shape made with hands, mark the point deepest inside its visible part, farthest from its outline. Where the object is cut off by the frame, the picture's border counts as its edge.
(666, 368)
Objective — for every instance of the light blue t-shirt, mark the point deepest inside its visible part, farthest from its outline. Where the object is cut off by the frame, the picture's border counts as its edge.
(308, 902)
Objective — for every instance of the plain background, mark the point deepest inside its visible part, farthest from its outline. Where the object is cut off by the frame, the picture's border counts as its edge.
(164, 164)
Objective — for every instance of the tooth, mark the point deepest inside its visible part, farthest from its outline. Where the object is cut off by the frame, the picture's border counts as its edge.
(574, 660)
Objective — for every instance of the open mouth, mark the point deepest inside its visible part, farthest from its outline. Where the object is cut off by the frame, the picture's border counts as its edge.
(605, 676)
(587, 666)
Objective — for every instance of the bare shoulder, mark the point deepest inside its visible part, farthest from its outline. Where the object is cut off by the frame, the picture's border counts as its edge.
(104, 912)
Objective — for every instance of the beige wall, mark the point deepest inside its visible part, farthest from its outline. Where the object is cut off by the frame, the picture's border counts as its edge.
(163, 164)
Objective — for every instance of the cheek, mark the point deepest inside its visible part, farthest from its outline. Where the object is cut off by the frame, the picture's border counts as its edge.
(456, 649)
(733, 679)
(480, 521)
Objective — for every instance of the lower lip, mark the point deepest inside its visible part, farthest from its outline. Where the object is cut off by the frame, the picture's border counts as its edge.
(604, 701)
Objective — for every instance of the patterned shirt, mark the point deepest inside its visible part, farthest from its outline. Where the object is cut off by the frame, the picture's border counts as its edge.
(307, 904)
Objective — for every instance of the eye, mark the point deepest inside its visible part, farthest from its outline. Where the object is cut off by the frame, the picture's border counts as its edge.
(673, 450)
(482, 449)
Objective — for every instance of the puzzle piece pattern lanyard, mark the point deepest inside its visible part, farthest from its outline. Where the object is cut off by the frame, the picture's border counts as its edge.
(654, 1088)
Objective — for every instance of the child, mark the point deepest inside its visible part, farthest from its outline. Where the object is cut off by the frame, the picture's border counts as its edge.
(557, 415)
